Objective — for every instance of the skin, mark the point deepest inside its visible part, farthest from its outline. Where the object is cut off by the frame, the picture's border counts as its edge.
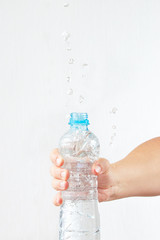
(138, 174)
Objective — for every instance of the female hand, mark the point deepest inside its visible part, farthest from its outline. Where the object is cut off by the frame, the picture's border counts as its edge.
(107, 187)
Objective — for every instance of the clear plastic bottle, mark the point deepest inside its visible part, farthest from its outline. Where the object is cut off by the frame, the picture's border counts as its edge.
(79, 216)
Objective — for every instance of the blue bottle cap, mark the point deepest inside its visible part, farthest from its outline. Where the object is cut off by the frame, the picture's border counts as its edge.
(79, 118)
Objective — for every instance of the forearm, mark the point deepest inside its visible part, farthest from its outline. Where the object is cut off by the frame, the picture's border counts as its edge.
(138, 174)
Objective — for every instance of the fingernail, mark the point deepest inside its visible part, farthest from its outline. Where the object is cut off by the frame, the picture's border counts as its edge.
(62, 185)
(63, 175)
(58, 161)
(98, 169)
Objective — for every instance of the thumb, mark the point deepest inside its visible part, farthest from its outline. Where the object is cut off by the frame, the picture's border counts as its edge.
(100, 166)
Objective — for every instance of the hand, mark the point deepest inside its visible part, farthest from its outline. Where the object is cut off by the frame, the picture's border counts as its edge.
(102, 168)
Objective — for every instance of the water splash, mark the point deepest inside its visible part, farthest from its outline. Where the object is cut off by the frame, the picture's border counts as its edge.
(113, 115)
(66, 35)
(112, 138)
(85, 64)
(70, 91)
(66, 5)
(114, 110)
(81, 99)
(68, 79)
(71, 61)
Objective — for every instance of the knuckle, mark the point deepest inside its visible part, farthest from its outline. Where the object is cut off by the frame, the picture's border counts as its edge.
(55, 151)
(52, 171)
(54, 154)
(55, 202)
(54, 185)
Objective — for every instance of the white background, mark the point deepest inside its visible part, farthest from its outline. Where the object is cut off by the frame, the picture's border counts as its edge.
(120, 41)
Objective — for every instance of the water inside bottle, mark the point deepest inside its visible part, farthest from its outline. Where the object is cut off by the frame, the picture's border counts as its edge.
(79, 216)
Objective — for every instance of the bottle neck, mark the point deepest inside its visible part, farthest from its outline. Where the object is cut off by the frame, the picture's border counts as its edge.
(79, 127)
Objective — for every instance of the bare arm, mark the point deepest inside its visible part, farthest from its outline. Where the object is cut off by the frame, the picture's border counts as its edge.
(138, 174)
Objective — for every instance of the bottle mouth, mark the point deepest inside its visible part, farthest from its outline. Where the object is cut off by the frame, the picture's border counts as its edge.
(78, 118)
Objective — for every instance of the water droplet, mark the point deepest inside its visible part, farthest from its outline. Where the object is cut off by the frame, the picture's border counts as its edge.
(71, 61)
(114, 110)
(114, 127)
(85, 64)
(81, 99)
(68, 79)
(69, 49)
(66, 5)
(112, 138)
(70, 91)
(66, 35)
(83, 75)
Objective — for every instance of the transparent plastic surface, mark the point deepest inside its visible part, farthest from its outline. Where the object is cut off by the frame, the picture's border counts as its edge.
(79, 216)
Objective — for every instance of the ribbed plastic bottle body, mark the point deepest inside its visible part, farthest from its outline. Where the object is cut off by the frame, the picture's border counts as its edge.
(79, 216)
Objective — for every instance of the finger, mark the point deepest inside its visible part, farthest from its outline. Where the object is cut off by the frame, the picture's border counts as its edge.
(107, 195)
(59, 185)
(59, 173)
(57, 201)
(56, 158)
(100, 166)
(101, 197)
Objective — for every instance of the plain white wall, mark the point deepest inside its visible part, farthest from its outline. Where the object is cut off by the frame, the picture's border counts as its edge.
(120, 42)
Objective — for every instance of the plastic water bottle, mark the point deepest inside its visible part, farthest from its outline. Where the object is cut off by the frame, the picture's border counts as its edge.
(79, 216)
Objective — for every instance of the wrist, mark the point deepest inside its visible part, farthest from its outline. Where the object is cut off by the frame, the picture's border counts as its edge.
(120, 182)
